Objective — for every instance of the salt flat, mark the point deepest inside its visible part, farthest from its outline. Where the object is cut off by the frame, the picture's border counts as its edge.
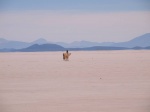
(91, 81)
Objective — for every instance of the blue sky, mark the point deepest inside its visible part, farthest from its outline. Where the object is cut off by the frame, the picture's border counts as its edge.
(74, 20)
(82, 5)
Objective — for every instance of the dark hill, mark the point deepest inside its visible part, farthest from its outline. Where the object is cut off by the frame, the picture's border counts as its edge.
(98, 48)
(43, 47)
(147, 47)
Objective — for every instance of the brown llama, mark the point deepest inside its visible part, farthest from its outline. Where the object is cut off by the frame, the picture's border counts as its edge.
(66, 56)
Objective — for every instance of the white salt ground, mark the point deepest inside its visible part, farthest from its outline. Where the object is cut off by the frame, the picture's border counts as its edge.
(91, 81)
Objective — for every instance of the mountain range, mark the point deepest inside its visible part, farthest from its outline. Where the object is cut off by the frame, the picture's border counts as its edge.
(141, 42)
(10, 44)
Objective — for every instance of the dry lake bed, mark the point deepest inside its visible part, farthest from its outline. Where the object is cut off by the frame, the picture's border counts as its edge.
(91, 81)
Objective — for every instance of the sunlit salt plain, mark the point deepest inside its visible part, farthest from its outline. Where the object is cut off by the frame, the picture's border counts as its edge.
(91, 81)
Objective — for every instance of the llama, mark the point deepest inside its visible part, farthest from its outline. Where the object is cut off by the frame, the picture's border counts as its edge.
(66, 56)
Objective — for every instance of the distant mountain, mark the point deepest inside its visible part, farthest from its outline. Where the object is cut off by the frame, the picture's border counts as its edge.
(7, 50)
(138, 48)
(39, 41)
(147, 47)
(43, 47)
(141, 41)
(98, 48)
(8, 44)
(54, 47)
(82, 44)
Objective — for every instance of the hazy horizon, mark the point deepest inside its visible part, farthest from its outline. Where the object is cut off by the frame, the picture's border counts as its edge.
(42, 39)
(68, 21)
